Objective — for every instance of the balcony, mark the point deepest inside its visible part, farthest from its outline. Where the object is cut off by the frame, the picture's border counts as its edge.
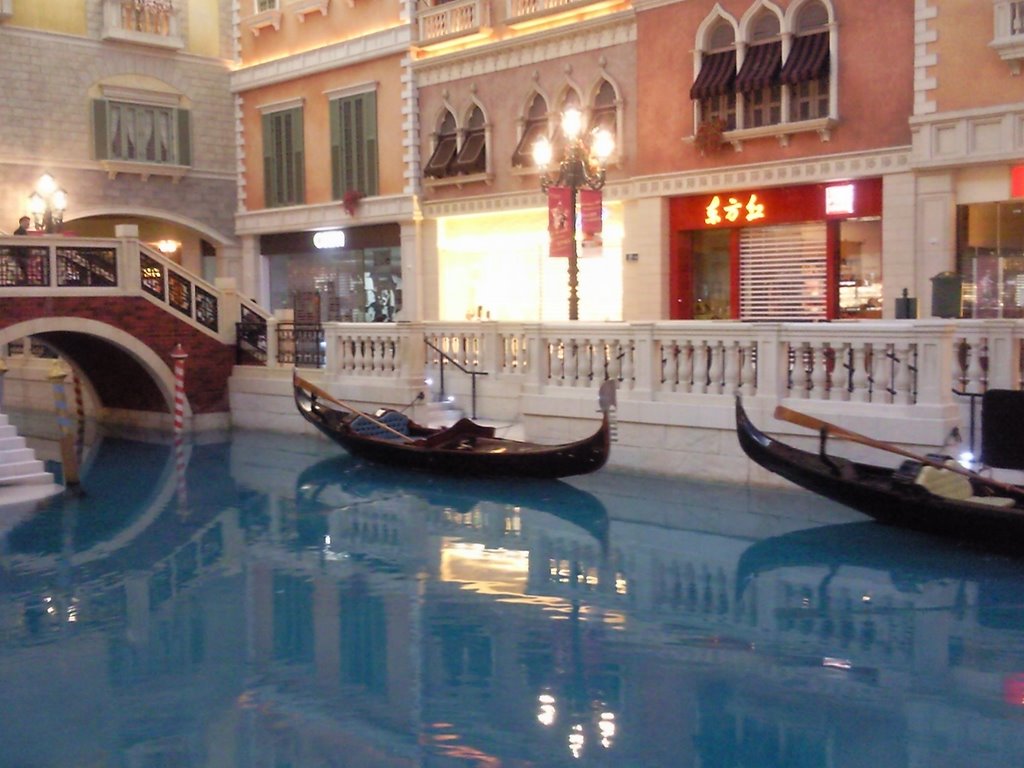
(461, 19)
(527, 13)
(142, 22)
(1009, 32)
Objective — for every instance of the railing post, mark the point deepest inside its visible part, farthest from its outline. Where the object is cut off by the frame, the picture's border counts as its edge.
(129, 270)
(272, 343)
(642, 335)
(412, 350)
(536, 358)
(934, 362)
(1003, 355)
(772, 362)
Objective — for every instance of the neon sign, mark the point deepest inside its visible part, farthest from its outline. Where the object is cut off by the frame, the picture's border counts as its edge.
(839, 199)
(733, 209)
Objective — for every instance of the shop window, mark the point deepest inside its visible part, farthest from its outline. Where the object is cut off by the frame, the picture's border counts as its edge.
(860, 268)
(472, 157)
(440, 163)
(710, 275)
(354, 160)
(535, 127)
(990, 248)
(283, 158)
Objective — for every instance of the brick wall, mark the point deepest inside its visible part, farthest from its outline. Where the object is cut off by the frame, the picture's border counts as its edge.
(119, 378)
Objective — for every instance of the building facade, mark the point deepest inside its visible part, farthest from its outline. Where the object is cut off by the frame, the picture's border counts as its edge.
(126, 106)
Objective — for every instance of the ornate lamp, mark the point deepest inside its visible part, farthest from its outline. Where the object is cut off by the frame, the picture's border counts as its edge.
(48, 204)
(581, 167)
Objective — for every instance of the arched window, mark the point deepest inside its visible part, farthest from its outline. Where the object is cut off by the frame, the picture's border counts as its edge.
(806, 70)
(603, 114)
(472, 157)
(445, 144)
(758, 78)
(535, 127)
(714, 87)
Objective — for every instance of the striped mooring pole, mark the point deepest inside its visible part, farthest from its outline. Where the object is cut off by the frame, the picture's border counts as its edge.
(179, 356)
(68, 456)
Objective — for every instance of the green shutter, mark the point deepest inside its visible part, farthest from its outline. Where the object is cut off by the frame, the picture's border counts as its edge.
(298, 159)
(184, 118)
(337, 191)
(99, 129)
(369, 144)
(269, 166)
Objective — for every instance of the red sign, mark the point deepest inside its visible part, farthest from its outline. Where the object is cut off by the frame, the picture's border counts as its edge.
(560, 224)
(777, 205)
(1017, 181)
(590, 217)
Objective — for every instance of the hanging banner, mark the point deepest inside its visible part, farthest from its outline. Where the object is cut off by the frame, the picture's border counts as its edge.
(560, 223)
(590, 217)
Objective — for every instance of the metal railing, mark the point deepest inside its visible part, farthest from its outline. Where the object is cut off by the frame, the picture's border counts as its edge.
(441, 359)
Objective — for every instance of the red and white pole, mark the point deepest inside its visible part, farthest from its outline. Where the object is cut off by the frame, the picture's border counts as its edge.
(179, 356)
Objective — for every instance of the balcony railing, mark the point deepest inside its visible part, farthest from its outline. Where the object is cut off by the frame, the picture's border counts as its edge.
(1008, 40)
(144, 22)
(452, 20)
(528, 10)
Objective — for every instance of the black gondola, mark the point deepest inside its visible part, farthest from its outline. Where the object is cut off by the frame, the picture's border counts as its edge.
(965, 506)
(465, 448)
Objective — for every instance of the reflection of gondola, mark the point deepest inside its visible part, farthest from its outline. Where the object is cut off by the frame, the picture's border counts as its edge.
(322, 486)
(908, 560)
(465, 448)
(993, 520)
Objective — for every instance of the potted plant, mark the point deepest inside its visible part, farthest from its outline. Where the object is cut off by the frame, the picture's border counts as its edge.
(350, 201)
(710, 135)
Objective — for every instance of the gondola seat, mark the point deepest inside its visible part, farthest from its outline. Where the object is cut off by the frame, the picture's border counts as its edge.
(398, 422)
(953, 485)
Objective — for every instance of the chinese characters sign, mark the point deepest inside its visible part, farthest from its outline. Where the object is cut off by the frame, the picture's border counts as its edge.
(733, 209)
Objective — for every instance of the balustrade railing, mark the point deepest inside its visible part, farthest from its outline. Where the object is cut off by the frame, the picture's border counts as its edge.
(447, 20)
(146, 22)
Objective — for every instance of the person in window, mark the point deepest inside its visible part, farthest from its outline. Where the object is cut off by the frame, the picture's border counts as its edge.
(23, 223)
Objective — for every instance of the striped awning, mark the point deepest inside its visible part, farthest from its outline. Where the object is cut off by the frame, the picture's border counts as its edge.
(808, 59)
(716, 76)
(760, 67)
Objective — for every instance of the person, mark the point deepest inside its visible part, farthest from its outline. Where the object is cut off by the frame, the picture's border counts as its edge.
(23, 223)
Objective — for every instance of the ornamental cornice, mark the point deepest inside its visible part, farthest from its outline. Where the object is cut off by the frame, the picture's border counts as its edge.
(299, 218)
(812, 170)
(596, 34)
(987, 134)
(394, 41)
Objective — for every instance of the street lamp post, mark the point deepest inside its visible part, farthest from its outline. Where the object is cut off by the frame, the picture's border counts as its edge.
(47, 204)
(581, 167)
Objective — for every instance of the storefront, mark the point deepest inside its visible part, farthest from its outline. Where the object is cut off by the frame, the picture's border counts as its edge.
(990, 254)
(352, 274)
(810, 252)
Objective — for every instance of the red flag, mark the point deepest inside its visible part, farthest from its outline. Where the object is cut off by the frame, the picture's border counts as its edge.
(590, 217)
(560, 224)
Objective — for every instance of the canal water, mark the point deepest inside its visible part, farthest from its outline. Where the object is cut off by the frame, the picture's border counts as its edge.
(265, 601)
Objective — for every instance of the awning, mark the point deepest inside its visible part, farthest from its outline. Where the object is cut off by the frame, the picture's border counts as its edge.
(472, 158)
(437, 165)
(716, 76)
(760, 67)
(808, 59)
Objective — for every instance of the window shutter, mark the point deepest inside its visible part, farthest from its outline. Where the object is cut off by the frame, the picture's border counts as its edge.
(337, 189)
(369, 145)
(782, 273)
(184, 118)
(269, 166)
(99, 129)
(298, 170)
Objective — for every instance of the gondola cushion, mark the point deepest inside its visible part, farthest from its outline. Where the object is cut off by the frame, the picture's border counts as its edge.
(370, 428)
(952, 485)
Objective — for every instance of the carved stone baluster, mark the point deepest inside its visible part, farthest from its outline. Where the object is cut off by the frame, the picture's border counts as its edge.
(747, 371)
(881, 392)
(715, 369)
(700, 367)
(731, 379)
(819, 374)
(859, 361)
(901, 381)
(686, 355)
(801, 381)
(628, 367)
(976, 377)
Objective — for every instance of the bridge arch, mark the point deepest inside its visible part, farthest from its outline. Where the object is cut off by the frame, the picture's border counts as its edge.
(155, 213)
(146, 361)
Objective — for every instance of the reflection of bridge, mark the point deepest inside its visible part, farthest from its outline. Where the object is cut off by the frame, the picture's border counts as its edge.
(115, 310)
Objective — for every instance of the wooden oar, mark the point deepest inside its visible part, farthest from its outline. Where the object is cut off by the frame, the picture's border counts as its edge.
(314, 389)
(805, 420)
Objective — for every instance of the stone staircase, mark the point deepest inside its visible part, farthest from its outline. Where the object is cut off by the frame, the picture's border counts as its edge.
(22, 476)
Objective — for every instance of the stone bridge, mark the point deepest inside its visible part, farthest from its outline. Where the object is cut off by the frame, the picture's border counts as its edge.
(114, 311)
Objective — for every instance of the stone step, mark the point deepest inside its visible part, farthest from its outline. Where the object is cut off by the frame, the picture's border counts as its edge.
(16, 455)
(19, 471)
(11, 443)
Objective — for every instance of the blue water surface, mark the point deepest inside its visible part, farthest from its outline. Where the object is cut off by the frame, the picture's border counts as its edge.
(266, 601)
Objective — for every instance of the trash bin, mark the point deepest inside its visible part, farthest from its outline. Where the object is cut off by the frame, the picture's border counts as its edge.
(947, 294)
(906, 307)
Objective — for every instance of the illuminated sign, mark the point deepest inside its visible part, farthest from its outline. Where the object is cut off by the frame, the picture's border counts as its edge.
(839, 199)
(733, 209)
(332, 238)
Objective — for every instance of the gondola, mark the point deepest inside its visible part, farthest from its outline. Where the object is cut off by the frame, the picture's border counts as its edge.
(465, 448)
(921, 494)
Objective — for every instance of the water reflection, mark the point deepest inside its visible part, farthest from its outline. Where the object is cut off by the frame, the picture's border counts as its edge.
(312, 611)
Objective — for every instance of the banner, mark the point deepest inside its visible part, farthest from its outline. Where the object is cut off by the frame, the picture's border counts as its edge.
(590, 217)
(560, 224)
